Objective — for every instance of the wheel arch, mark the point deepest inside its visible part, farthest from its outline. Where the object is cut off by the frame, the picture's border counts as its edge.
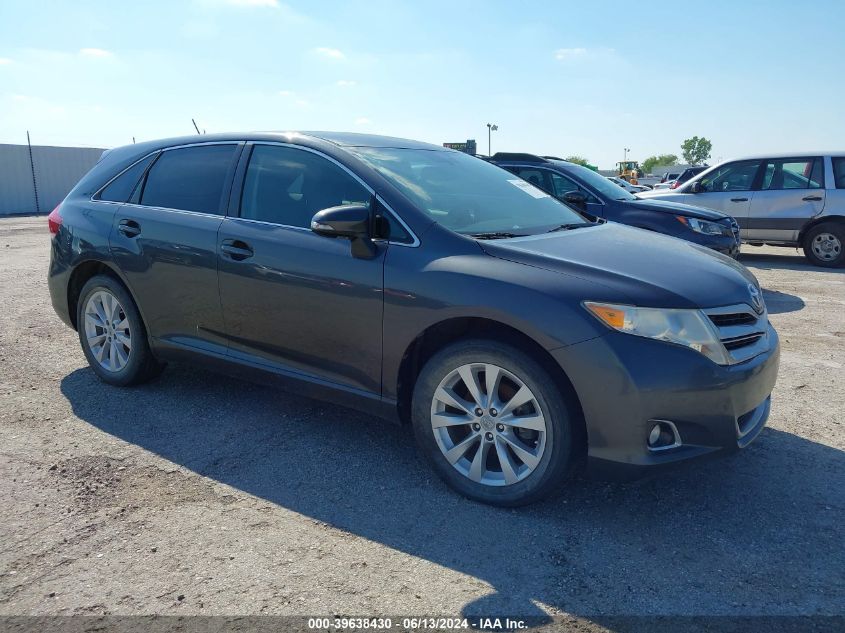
(821, 219)
(439, 335)
(84, 271)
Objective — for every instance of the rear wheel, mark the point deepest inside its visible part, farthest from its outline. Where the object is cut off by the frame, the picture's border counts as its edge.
(112, 334)
(823, 245)
(493, 423)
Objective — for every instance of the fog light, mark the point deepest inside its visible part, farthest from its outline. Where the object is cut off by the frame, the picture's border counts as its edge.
(663, 435)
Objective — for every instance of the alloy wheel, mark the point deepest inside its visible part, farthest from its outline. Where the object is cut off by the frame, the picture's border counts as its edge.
(488, 424)
(107, 331)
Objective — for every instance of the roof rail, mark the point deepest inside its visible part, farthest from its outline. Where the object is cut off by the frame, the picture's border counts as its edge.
(528, 158)
(554, 158)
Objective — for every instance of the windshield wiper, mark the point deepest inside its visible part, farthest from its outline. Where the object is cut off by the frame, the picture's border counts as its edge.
(493, 235)
(569, 227)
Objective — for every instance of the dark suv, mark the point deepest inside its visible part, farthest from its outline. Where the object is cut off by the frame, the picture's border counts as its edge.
(420, 284)
(588, 191)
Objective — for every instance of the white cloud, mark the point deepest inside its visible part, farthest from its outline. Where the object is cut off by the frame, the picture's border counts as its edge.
(330, 53)
(362, 120)
(253, 3)
(285, 93)
(5, 61)
(567, 54)
(95, 52)
(346, 83)
(302, 103)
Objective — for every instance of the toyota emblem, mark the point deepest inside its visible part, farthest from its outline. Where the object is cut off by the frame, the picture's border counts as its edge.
(756, 299)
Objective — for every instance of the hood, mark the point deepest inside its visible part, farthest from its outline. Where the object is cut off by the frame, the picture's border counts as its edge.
(677, 208)
(634, 266)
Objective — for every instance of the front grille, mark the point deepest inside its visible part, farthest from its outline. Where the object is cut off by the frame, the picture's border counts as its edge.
(734, 227)
(739, 318)
(741, 330)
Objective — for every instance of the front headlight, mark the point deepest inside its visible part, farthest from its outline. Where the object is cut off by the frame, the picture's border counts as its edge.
(690, 328)
(703, 226)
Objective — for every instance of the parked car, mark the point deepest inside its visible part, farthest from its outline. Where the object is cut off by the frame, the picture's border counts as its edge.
(423, 285)
(627, 186)
(688, 173)
(783, 200)
(595, 195)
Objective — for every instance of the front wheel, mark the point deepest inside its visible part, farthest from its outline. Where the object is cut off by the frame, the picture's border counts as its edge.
(823, 245)
(493, 424)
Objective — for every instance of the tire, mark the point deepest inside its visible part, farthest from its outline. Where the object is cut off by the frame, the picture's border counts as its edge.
(119, 356)
(550, 459)
(824, 245)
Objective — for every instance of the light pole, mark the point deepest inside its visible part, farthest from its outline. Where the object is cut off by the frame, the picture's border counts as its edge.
(491, 127)
(627, 149)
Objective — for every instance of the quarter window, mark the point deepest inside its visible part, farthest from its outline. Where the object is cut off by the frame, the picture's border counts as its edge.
(731, 177)
(121, 188)
(839, 172)
(189, 178)
(288, 186)
(794, 174)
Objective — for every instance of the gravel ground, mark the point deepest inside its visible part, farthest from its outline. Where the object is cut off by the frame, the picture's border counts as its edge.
(200, 494)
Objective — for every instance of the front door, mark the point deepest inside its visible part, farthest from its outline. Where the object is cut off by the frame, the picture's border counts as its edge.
(729, 189)
(292, 300)
(791, 192)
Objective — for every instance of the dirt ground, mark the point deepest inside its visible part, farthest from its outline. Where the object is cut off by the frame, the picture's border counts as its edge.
(200, 494)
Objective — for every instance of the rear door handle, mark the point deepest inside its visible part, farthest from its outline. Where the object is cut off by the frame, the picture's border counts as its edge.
(812, 198)
(739, 199)
(130, 228)
(236, 249)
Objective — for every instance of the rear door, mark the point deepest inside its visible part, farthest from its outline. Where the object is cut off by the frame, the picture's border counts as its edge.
(791, 192)
(295, 301)
(165, 244)
(729, 189)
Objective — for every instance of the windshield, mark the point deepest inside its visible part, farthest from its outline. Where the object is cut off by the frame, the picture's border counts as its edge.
(599, 183)
(466, 194)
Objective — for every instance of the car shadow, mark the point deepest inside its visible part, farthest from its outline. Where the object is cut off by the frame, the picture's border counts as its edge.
(778, 302)
(789, 260)
(756, 533)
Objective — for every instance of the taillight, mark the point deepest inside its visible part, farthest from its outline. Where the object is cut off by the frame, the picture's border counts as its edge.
(675, 185)
(54, 221)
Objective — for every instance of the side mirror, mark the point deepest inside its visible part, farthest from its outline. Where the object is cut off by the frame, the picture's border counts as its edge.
(696, 187)
(351, 221)
(575, 198)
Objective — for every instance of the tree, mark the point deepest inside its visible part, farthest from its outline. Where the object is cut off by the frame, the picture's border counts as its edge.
(696, 150)
(663, 159)
(578, 160)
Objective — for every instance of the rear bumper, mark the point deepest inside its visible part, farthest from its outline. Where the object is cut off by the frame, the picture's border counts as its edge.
(625, 383)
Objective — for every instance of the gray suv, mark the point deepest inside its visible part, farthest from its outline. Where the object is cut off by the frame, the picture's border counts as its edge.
(788, 200)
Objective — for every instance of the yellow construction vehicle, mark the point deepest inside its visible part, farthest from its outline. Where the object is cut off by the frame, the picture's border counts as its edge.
(628, 170)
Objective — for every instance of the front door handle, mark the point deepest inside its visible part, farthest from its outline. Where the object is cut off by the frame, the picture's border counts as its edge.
(812, 198)
(130, 228)
(739, 199)
(236, 249)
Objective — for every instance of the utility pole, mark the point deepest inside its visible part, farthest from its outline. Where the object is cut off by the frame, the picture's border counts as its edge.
(491, 127)
(32, 167)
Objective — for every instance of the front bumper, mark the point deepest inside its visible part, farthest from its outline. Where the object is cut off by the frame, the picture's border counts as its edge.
(625, 383)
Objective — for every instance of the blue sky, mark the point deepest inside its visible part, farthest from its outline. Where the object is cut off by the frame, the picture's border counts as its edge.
(586, 78)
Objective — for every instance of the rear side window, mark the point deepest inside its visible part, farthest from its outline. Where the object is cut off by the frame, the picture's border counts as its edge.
(190, 178)
(288, 186)
(537, 177)
(121, 188)
(839, 172)
(793, 173)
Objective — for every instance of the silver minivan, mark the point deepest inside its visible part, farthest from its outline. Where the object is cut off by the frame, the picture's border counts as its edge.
(795, 200)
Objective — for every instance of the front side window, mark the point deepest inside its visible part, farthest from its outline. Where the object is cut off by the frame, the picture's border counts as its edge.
(737, 176)
(285, 185)
(788, 173)
(468, 195)
(189, 178)
(121, 188)
(839, 172)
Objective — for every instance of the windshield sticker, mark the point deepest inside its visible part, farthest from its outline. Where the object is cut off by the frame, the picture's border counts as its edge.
(528, 188)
